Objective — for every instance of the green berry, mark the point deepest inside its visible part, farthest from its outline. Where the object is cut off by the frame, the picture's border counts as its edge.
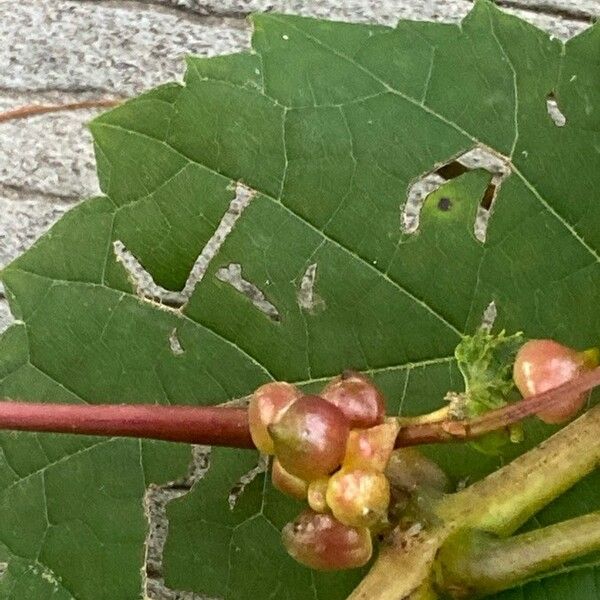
(358, 498)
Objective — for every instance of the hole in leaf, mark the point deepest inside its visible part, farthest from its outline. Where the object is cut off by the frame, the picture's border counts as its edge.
(175, 344)
(155, 504)
(476, 158)
(489, 316)
(232, 274)
(488, 197)
(554, 112)
(452, 170)
(145, 286)
(238, 489)
(307, 299)
(416, 196)
(484, 212)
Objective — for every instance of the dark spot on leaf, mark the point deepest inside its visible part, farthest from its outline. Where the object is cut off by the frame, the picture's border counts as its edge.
(444, 204)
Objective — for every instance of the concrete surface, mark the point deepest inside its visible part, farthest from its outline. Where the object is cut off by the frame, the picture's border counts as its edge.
(65, 51)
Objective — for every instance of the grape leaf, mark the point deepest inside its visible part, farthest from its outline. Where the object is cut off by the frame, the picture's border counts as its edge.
(329, 124)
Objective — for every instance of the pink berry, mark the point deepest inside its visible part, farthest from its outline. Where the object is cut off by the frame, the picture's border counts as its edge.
(357, 397)
(319, 541)
(310, 438)
(542, 365)
(408, 470)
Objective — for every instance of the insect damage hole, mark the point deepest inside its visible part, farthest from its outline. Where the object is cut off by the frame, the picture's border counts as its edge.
(478, 157)
(306, 296)
(554, 112)
(411, 211)
(175, 344)
(488, 317)
(238, 489)
(156, 500)
(232, 274)
(145, 285)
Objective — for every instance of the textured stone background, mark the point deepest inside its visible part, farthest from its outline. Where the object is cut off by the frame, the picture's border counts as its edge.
(68, 51)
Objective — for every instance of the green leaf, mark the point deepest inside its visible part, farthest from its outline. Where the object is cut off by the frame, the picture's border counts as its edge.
(246, 536)
(329, 124)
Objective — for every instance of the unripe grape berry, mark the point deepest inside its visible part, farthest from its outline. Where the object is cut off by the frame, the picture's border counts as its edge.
(357, 397)
(409, 470)
(287, 483)
(542, 365)
(266, 406)
(317, 491)
(371, 448)
(310, 438)
(321, 542)
(358, 498)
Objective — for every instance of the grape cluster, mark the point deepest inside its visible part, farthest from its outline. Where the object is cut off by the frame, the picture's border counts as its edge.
(330, 450)
(335, 451)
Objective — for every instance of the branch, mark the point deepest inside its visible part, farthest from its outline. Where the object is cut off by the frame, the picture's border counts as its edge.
(210, 425)
(498, 504)
(507, 498)
(476, 564)
(38, 109)
(452, 431)
(224, 426)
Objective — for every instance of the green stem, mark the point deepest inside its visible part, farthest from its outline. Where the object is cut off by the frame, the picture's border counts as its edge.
(403, 569)
(504, 500)
(441, 414)
(476, 564)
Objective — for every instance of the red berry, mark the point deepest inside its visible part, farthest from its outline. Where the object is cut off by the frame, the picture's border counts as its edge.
(266, 407)
(287, 483)
(321, 542)
(358, 398)
(310, 438)
(358, 498)
(542, 365)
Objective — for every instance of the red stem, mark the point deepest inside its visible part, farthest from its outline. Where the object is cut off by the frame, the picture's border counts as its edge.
(223, 426)
(450, 431)
(211, 425)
